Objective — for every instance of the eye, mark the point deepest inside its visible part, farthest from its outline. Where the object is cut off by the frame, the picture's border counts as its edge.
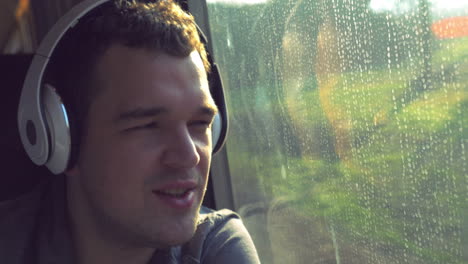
(201, 123)
(150, 125)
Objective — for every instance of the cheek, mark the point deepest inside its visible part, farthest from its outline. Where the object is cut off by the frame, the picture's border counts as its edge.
(114, 173)
(115, 154)
(205, 162)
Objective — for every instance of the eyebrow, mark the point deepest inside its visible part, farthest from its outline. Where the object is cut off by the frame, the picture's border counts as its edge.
(141, 113)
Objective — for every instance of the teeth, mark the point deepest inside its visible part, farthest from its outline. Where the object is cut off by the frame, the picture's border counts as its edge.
(174, 191)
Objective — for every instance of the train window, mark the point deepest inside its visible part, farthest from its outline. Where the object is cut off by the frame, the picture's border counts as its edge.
(348, 137)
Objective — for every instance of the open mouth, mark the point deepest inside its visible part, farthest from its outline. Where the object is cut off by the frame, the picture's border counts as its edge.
(176, 193)
(177, 198)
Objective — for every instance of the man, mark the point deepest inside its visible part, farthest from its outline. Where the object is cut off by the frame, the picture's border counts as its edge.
(133, 76)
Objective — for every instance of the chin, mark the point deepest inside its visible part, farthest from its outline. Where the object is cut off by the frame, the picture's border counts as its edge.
(176, 238)
(177, 234)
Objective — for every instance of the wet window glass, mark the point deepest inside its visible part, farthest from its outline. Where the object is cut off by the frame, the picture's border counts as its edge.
(348, 137)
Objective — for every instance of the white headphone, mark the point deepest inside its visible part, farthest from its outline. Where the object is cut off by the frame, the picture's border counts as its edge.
(42, 116)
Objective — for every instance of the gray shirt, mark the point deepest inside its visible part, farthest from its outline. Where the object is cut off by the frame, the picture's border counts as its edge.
(34, 229)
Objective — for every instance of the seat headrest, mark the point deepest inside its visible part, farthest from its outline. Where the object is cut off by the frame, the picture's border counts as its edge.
(18, 174)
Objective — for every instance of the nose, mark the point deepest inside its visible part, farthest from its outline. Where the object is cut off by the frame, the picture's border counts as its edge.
(181, 151)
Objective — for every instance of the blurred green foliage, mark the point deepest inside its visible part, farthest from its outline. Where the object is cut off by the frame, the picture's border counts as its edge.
(378, 148)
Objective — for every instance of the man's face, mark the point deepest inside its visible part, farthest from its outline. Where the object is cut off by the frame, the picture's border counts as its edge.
(144, 160)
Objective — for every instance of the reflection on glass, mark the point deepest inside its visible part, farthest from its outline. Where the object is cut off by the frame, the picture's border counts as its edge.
(348, 138)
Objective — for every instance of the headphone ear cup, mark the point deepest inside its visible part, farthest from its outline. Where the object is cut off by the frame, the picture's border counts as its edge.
(58, 130)
(216, 129)
(220, 124)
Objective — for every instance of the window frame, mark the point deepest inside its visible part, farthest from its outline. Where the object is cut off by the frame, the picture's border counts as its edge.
(220, 176)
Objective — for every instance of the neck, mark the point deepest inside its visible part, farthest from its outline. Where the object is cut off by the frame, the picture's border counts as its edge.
(93, 244)
(90, 249)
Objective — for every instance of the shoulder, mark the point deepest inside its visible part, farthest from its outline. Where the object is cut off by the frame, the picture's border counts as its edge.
(215, 217)
(221, 226)
(221, 237)
(20, 208)
(17, 223)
